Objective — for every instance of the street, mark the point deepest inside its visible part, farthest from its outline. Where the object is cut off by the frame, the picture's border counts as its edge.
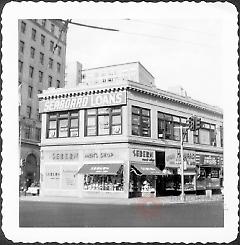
(49, 214)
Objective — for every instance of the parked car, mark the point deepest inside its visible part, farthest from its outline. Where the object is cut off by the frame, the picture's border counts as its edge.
(34, 189)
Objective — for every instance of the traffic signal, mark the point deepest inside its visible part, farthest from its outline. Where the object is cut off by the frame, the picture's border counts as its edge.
(191, 123)
(197, 123)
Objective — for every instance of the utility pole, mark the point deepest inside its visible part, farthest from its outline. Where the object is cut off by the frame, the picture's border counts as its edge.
(182, 164)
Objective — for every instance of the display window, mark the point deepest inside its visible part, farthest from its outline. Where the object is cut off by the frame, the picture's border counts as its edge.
(143, 183)
(103, 182)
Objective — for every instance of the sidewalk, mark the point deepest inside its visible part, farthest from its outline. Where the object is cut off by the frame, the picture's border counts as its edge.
(131, 201)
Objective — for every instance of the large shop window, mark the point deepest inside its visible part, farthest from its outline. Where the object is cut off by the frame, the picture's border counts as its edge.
(112, 180)
(141, 123)
(168, 126)
(103, 121)
(63, 124)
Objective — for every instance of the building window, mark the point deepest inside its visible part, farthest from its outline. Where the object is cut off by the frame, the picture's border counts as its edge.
(31, 71)
(213, 141)
(221, 136)
(58, 84)
(141, 123)
(21, 46)
(39, 91)
(38, 115)
(58, 67)
(29, 111)
(63, 124)
(49, 81)
(23, 27)
(38, 134)
(207, 134)
(34, 32)
(51, 46)
(27, 132)
(103, 121)
(40, 74)
(41, 58)
(43, 22)
(20, 66)
(52, 28)
(30, 91)
(169, 127)
(50, 63)
(32, 52)
(42, 40)
(59, 51)
(196, 136)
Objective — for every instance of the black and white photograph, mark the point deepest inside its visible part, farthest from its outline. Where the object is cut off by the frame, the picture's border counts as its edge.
(120, 116)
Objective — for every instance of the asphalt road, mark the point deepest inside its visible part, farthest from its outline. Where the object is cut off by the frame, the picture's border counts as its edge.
(45, 214)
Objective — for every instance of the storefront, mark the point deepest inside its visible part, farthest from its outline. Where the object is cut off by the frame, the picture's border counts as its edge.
(209, 171)
(173, 163)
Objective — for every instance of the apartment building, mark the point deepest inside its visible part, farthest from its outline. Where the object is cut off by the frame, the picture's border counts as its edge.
(41, 65)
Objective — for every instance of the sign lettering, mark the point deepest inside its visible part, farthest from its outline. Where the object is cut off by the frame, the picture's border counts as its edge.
(85, 101)
(139, 155)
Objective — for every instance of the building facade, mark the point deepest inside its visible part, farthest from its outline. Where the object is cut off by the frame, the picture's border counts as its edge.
(117, 135)
(41, 64)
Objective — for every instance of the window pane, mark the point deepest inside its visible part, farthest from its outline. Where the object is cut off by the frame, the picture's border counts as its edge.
(160, 115)
(204, 136)
(74, 123)
(136, 119)
(145, 112)
(52, 116)
(73, 132)
(63, 115)
(136, 110)
(103, 125)
(63, 128)
(116, 119)
(91, 111)
(146, 132)
(52, 133)
(74, 114)
(91, 121)
(117, 129)
(116, 110)
(103, 110)
(91, 131)
(52, 124)
(146, 120)
(135, 130)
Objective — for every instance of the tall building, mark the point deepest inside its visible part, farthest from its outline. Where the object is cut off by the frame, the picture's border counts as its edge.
(116, 135)
(41, 64)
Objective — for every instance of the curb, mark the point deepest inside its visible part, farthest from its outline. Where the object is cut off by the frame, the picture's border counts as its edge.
(139, 201)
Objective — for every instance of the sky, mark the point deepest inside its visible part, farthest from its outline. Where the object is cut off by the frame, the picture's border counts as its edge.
(176, 51)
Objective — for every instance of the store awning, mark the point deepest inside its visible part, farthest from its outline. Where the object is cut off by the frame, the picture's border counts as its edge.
(100, 169)
(148, 169)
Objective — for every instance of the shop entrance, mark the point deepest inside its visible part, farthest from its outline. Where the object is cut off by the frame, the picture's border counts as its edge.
(30, 170)
(161, 179)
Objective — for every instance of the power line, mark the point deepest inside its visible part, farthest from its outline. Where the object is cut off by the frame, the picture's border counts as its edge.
(169, 26)
(137, 34)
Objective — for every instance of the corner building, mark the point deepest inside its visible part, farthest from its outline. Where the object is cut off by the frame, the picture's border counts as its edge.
(115, 135)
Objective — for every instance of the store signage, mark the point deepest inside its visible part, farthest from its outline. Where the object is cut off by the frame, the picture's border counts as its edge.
(52, 177)
(69, 180)
(139, 155)
(84, 101)
(103, 155)
(173, 158)
(209, 160)
(63, 155)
